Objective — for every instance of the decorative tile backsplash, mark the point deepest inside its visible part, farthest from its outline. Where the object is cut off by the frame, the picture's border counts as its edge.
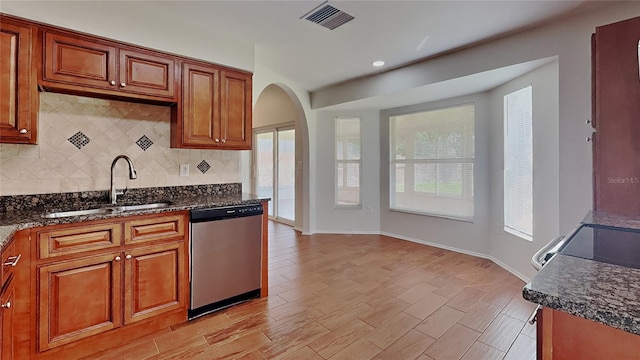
(79, 137)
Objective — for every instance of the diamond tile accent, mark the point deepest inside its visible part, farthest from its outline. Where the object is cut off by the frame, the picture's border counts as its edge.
(204, 166)
(79, 139)
(144, 142)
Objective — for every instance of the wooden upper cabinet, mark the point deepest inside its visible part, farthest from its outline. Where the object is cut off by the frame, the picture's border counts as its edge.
(198, 124)
(77, 61)
(147, 74)
(236, 110)
(616, 109)
(18, 88)
(86, 65)
(215, 112)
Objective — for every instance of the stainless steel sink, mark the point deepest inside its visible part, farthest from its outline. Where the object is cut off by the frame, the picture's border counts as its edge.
(122, 208)
(61, 214)
(106, 210)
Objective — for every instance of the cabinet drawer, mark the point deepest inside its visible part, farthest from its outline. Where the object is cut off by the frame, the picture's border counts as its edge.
(78, 239)
(155, 228)
(10, 259)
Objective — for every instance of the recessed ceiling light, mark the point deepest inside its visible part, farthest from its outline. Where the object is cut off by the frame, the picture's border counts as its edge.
(378, 63)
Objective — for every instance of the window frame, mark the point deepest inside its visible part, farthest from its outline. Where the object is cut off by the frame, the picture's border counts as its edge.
(337, 162)
(515, 230)
(470, 189)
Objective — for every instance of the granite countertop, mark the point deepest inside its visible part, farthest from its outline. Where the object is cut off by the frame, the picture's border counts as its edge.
(597, 291)
(25, 211)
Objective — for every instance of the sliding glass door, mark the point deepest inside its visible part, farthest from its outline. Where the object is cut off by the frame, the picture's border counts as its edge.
(274, 170)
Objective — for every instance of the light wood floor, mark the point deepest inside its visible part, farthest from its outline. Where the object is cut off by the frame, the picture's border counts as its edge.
(360, 297)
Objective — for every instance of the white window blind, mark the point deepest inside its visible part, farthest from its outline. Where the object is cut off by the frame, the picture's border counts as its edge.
(518, 163)
(432, 157)
(348, 162)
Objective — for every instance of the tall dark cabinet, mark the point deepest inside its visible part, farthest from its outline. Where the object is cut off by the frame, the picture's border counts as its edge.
(616, 118)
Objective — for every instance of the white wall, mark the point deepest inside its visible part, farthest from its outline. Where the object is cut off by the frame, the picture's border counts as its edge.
(305, 127)
(510, 250)
(470, 237)
(274, 107)
(140, 23)
(570, 40)
(328, 218)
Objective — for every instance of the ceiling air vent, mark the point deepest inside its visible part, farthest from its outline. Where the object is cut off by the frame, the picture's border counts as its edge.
(328, 16)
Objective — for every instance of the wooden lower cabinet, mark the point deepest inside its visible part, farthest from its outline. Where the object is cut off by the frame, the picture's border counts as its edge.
(153, 281)
(114, 291)
(78, 299)
(564, 336)
(7, 303)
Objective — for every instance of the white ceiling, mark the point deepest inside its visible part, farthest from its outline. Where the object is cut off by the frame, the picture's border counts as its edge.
(398, 32)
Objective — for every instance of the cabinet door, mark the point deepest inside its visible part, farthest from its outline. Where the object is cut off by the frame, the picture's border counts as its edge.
(6, 321)
(154, 281)
(147, 74)
(201, 106)
(78, 299)
(236, 110)
(79, 61)
(19, 105)
(617, 96)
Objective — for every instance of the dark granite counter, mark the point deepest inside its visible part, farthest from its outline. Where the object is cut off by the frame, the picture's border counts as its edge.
(25, 211)
(597, 291)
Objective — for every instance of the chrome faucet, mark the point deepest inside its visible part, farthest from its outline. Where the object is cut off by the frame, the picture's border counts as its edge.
(132, 175)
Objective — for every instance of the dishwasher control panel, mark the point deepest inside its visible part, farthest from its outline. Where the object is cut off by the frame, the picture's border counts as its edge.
(226, 212)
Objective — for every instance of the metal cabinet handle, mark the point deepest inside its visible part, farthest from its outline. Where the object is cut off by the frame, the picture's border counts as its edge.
(589, 138)
(12, 260)
(534, 317)
(122, 84)
(224, 141)
(6, 305)
(112, 82)
(217, 140)
(23, 131)
(128, 257)
(118, 258)
(588, 122)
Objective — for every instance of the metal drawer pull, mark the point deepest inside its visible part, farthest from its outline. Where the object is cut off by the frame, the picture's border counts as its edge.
(589, 138)
(112, 82)
(122, 84)
(128, 257)
(12, 260)
(6, 306)
(23, 131)
(534, 317)
(118, 258)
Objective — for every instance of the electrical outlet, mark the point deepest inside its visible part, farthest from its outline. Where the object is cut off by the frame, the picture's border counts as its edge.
(184, 169)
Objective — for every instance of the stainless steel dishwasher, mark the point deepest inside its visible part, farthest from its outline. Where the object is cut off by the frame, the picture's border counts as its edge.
(226, 261)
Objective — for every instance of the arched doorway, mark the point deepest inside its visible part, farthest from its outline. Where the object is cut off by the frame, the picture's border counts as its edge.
(279, 122)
